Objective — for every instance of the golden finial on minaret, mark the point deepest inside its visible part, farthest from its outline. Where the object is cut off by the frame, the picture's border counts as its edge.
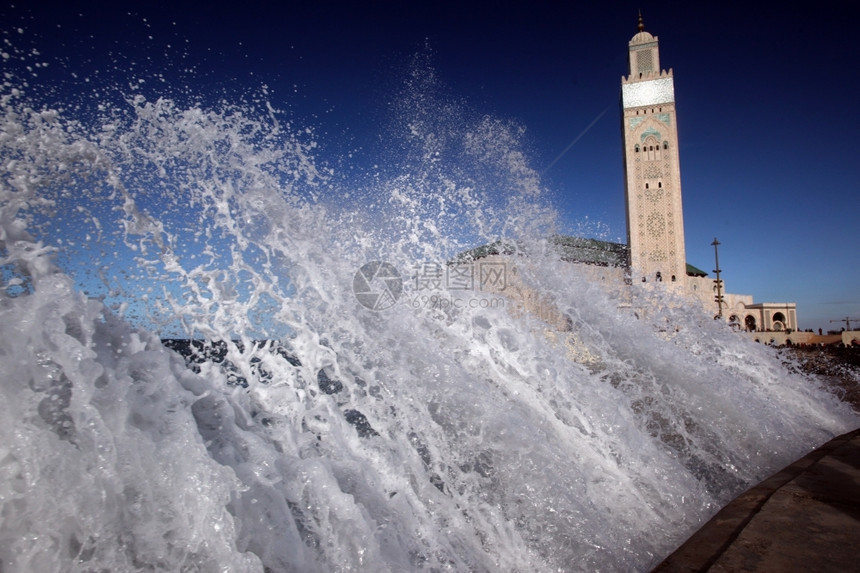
(641, 23)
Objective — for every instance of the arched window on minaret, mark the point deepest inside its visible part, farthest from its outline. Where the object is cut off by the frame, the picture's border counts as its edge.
(651, 147)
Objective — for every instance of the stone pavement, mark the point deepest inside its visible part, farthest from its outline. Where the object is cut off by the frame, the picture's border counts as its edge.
(803, 518)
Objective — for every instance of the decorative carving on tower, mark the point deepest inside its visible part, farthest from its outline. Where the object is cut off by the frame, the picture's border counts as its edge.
(655, 223)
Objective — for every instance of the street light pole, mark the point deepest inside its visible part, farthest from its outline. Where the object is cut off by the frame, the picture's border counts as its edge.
(719, 298)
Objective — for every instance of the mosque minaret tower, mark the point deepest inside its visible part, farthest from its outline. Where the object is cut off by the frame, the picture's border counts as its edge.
(654, 253)
(655, 222)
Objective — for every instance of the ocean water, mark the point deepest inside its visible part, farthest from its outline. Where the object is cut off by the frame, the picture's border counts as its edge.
(434, 427)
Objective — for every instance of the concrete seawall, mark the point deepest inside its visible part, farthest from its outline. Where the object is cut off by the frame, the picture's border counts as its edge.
(805, 517)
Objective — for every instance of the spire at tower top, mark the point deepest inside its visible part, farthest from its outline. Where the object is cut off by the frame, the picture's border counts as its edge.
(641, 36)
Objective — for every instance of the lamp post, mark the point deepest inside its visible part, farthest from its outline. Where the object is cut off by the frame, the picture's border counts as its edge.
(719, 298)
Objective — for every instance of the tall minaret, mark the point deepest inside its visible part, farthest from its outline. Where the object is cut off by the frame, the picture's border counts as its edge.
(655, 222)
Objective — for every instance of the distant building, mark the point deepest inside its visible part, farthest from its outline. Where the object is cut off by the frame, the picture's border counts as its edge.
(655, 251)
(652, 174)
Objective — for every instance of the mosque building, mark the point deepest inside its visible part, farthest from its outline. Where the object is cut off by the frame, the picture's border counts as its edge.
(655, 251)
(652, 174)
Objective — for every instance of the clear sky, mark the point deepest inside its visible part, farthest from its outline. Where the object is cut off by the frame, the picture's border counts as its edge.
(766, 100)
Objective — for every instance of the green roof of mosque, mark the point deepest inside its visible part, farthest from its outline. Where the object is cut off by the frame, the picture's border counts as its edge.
(695, 272)
(591, 251)
(494, 248)
(571, 249)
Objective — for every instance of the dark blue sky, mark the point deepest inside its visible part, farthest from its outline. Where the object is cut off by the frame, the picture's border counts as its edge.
(766, 101)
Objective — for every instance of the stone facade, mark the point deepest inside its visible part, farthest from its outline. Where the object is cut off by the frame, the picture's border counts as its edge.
(655, 253)
(652, 174)
(655, 222)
